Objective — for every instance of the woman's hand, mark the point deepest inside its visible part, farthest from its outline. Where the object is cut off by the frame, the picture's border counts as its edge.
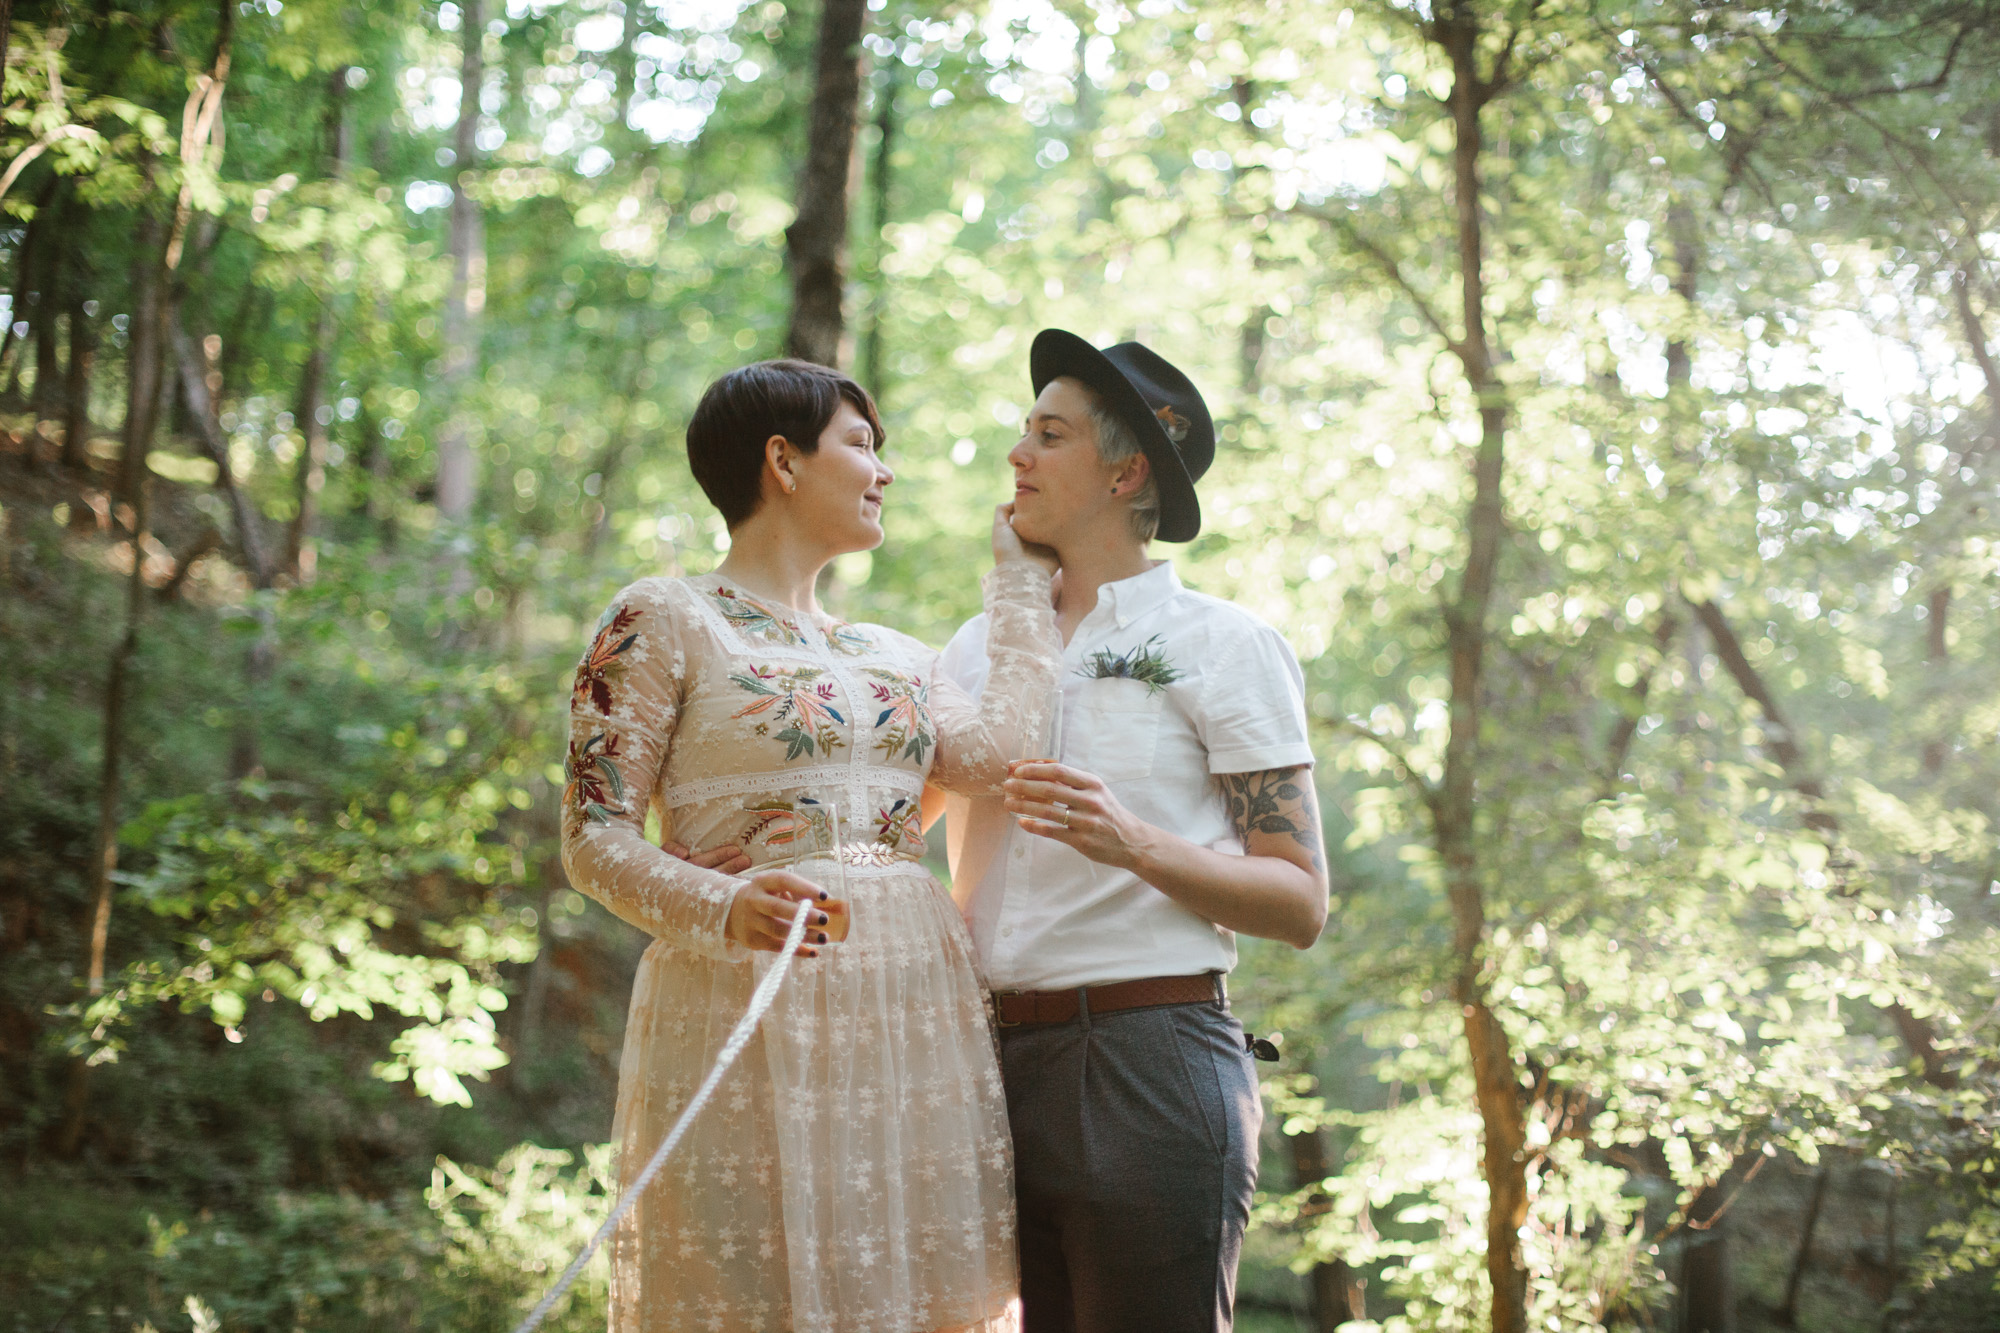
(1007, 543)
(728, 858)
(1075, 808)
(761, 916)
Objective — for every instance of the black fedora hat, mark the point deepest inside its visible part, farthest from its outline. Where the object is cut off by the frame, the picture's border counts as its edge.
(1161, 405)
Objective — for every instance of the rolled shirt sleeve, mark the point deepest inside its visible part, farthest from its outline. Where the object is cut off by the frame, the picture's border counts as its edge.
(1253, 707)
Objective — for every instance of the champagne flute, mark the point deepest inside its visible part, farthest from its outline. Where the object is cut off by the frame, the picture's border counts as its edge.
(838, 918)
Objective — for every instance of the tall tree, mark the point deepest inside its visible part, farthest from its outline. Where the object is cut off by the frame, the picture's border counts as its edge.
(1480, 72)
(466, 299)
(881, 183)
(46, 399)
(816, 242)
(311, 474)
(153, 318)
(82, 359)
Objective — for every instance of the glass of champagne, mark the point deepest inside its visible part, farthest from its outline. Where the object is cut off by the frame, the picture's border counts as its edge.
(833, 878)
(1052, 738)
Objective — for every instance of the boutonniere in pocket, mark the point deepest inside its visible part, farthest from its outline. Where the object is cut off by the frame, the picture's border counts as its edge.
(1145, 664)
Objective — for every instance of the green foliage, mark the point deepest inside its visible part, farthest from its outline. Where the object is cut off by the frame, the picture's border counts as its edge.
(1737, 286)
(513, 1229)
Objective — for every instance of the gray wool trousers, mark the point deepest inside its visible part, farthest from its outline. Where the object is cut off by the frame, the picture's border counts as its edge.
(1135, 1156)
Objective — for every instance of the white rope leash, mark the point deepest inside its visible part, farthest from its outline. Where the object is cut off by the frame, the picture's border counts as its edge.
(760, 1004)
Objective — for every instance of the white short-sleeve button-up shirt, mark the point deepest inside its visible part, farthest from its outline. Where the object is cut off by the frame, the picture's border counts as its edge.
(1044, 917)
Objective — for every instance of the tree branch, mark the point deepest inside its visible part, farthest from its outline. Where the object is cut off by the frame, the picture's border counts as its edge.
(202, 545)
(1896, 90)
(1779, 737)
(1390, 269)
(1406, 770)
(1915, 1032)
(194, 389)
(1975, 336)
(1620, 743)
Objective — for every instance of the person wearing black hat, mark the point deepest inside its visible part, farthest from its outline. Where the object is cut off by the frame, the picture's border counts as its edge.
(1104, 893)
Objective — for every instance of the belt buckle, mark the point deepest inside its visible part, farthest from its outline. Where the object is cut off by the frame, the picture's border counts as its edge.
(997, 1019)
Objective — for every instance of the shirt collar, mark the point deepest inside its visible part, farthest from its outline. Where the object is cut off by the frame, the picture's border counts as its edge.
(1128, 599)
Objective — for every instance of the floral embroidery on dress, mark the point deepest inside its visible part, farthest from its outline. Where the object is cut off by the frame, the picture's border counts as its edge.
(911, 732)
(801, 827)
(753, 618)
(594, 781)
(849, 639)
(601, 665)
(900, 823)
(800, 700)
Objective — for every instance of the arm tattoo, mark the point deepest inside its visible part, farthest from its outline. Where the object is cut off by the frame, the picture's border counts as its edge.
(1273, 801)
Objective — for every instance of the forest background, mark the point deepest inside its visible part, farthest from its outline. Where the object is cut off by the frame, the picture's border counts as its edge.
(1608, 410)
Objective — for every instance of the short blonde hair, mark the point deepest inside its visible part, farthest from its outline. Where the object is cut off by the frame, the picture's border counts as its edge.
(1116, 442)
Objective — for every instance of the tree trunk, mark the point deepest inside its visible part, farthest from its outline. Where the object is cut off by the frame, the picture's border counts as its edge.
(152, 317)
(1454, 811)
(143, 359)
(1708, 1287)
(26, 270)
(1787, 1315)
(105, 862)
(625, 61)
(1937, 656)
(467, 296)
(201, 380)
(1892, 1261)
(375, 463)
(76, 382)
(880, 181)
(1337, 1291)
(46, 400)
(1685, 237)
(141, 415)
(535, 996)
(816, 242)
(311, 476)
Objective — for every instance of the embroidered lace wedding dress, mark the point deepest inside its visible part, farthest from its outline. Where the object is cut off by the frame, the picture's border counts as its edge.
(853, 1173)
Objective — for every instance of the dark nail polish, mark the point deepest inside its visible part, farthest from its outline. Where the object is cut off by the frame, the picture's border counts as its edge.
(822, 895)
(823, 919)
(822, 937)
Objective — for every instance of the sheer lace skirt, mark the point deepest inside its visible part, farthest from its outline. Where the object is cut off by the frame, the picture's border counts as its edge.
(853, 1173)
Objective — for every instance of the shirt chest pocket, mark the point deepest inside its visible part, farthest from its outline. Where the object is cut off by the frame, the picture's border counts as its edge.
(1120, 735)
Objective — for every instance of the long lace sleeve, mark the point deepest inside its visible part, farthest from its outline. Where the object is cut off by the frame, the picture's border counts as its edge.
(976, 740)
(624, 706)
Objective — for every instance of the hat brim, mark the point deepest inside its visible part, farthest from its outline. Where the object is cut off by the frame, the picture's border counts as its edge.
(1057, 353)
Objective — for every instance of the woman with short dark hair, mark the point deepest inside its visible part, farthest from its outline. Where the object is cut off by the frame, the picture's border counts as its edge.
(853, 1174)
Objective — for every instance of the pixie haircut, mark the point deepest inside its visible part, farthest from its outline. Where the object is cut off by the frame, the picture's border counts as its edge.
(746, 407)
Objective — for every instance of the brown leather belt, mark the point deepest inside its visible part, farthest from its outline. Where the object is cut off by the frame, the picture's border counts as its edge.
(1017, 1008)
